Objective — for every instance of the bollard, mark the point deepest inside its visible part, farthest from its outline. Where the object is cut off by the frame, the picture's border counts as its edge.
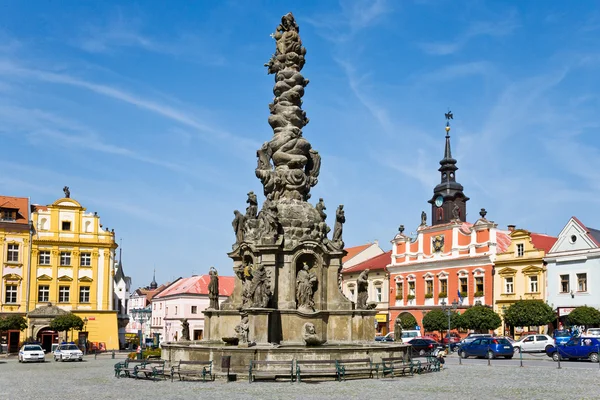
(558, 352)
(113, 354)
(521, 356)
(489, 358)
(95, 354)
(459, 359)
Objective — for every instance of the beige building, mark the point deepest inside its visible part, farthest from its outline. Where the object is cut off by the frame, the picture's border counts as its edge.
(520, 272)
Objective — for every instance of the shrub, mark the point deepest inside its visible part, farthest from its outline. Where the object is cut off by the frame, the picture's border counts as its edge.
(410, 297)
(478, 294)
(443, 295)
(429, 295)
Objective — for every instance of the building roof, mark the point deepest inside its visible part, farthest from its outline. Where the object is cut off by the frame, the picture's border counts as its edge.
(376, 263)
(503, 240)
(151, 293)
(21, 204)
(593, 234)
(198, 284)
(543, 242)
(354, 251)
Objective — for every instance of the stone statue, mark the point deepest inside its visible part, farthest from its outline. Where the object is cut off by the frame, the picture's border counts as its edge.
(67, 192)
(258, 286)
(362, 289)
(340, 219)
(423, 218)
(242, 329)
(213, 289)
(320, 207)
(306, 282)
(185, 329)
(309, 334)
(252, 209)
(456, 212)
(238, 226)
(268, 222)
(398, 330)
(244, 274)
(295, 165)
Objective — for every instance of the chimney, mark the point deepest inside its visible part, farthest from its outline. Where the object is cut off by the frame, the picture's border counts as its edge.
(511, 228)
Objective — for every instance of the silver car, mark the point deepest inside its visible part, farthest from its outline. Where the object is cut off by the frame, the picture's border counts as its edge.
(68, 351)
(533, 343)
(31, 352)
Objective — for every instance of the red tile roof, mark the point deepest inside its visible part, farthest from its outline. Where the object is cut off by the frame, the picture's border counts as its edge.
(21, 204)
(376, 263)
(503, 239)
(199, 285)
(354, 251)
(543, 242)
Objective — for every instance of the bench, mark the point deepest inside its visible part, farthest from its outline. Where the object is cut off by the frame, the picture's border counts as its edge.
(430, 364)
(358, 366)
(150, 369)
(391, 365)
(193, 369)
(270, 370)
(316, 369)
(126, 367)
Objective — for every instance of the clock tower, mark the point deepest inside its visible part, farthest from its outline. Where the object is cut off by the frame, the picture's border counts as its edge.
(448, 203)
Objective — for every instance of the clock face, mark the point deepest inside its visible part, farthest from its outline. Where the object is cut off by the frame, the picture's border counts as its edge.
(439, 201)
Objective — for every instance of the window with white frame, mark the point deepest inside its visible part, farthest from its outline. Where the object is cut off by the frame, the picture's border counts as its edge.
(194, 310)
(65, 258)
(411, 288)
(63, 294)
(444, 287)
(429, 287)
(84, 294)
(378, 294)
(44, 258)
(85, 259)
(520, 250)
(564, 284)
(582, 282)
(399, 290)
(533, 284)
(352, 294)
(10, 295)
(12, 252)
(479, 285)
(43, 293)
(509, 285)
(463, 283)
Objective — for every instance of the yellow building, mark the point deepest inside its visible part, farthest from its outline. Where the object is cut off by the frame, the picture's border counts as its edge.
(72, 270)
(520, 272)
(15, 252)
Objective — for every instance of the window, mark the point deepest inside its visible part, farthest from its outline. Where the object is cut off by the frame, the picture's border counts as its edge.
(63, 294)
(44, 258)
(378, 294)
(12, 252)
(520, 250)
(464, 288)
(66, 225)
(399, 290)
(479, 284)
(160, 306)
(509, 285)
(194, 310)
(429, 287)
(11, 294)
(85, 260)
(533, 284)
(444, 286)
(352, 294)
(582, 282)
(175, 310)
(154, 306)
(564, 283)
(43, 293)
(411, 288)
(8, 215)
(65, 258)
(84, 295)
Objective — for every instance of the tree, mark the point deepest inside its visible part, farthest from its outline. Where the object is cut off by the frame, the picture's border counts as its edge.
(588, 316)
(66, 322)
(13, 322)
(529, 313)
(408, 321)
(437, 320)
(480, 319)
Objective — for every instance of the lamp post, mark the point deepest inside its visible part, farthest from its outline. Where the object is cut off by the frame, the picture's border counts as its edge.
(448, 309)
(85, 321)
(503, 323)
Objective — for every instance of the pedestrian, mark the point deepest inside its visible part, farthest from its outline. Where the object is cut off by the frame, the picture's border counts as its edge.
(440, 357)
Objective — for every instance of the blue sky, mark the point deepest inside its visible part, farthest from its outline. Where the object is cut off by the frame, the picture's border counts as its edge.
(152, 113)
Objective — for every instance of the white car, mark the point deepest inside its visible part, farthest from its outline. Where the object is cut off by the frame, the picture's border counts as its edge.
(595, 332)
(68, 351)
(533, 343)
(31, 352)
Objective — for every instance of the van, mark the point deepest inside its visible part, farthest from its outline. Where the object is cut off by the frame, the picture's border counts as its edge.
(409, 335)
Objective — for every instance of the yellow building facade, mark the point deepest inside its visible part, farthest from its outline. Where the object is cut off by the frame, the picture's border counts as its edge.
(72, 268)
(520, 272)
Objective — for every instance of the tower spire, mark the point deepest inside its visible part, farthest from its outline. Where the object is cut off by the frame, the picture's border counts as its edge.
(153, 284)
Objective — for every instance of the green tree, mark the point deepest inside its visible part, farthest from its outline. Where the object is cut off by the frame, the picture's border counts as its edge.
(13, 322)
(588, 316)
(66, 322)
(437, 320)
(408, 321)
(529, 313)
(480, 319)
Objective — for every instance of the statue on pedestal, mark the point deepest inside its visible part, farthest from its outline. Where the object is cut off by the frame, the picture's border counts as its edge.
(67, 192)
(340, 219)
(185, 330)
(362, 286)
(423, 218)
(238, 226)
(242, 329)
(213, 289)
(306, 282)
(252, 209)
(398, 330)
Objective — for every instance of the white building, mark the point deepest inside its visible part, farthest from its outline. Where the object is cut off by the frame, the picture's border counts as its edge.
(122, 286)
(573, 269)
(357, 254)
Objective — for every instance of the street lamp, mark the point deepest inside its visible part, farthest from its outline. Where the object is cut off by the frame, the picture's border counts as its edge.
(448, 309)
(503, 323)
(85, 321)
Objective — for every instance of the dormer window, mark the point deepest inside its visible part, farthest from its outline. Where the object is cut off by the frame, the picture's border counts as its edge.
(66, 225)
(520, 250)
(8, 215)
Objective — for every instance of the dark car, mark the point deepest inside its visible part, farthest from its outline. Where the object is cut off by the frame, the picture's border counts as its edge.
(576, 348)
(387, 338)
(487, 347)
(424, 346)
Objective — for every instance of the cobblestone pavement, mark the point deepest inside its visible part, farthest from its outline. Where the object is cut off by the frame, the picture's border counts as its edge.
(94, 379)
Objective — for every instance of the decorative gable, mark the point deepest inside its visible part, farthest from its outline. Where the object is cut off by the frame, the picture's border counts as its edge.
(532, 270)
(574, 236)
(44, 277)
(86, 279)
(12, 277)
(65, 278)
(507, 271)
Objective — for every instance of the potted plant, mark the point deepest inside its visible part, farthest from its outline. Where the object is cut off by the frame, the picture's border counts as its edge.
(398, 297)
(429, 295)
(443, 295)
(410, 297)
(463, 294)
(478, 293)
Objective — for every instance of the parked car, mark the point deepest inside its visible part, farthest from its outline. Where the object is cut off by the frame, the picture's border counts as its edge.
(409, 335)
(453, 338)
(31, 352)
(386, 338)
(561, 336)
(432, 336)
(489, 347)
(533, 343)
(576, 348)
(424, 346)
(473, 336)
(594, 332)
(68, 351)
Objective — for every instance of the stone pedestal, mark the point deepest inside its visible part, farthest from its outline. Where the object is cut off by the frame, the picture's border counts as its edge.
(258, 319)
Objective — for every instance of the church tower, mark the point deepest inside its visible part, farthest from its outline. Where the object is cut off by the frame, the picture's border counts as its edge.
(448, 203)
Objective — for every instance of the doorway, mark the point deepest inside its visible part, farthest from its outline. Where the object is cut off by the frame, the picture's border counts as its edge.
(47, 337)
